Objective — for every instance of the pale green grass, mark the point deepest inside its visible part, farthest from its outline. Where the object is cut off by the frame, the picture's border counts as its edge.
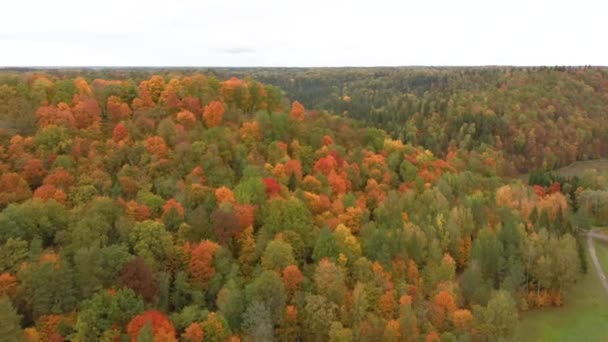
(601, 249)
(584, 317)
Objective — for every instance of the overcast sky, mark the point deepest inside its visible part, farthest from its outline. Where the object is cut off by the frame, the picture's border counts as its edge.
(302, 33)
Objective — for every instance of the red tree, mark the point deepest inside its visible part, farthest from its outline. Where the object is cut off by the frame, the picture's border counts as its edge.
(214, 113)
(34, 171)
(156, 146)
(272, 187)
(297, 111)
(172, 204)
(13, 188)
(292, 277)
(120, 133)
(87, 113)
(162, 329)
(117, 110)
(201, 262)
(186, 118)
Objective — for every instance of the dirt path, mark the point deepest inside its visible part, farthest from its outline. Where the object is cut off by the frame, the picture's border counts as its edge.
(596, 262)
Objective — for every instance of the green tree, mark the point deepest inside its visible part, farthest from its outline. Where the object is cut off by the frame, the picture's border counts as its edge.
(269, 290)
(318, 314)
(12, 254)
(339, 333)
(104, 311)
(257, 323)
(279, 215)
(33, 218)
(231, 302)
(10, 322)
(48, 288)
(325, 246)
(500, 317)
(278, 255)
(151, 241)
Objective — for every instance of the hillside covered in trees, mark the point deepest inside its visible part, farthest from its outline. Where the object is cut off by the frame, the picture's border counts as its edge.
(181, 206)
(532, 118)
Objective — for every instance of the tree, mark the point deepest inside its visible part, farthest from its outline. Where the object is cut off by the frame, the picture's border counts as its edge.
(225, 223)
(193, 333)
(61, 115)
(462, 319)
(87, 113)
(247, 244)
(8, 284)
(566, 260)
(201, 262)
(105, 312)
(213, 114)
(277, 255)
(257, 323)
(392, 331)
(186, 118)
(443, 306)
(231, 303)
(12, 254)
(120, 133)
(297, 111)
(13, 188)
(224, 195)
(173, 214)
(10, 322)
(387, 304)
(272, 187)
(339, 333)
(156, 146)
(407, 318)
(162, 328)
(34, 172)
(279, 215)
(137, 276)
(269, 290)
(500, 316)
(325, 246)
(318, 316)
(53, 139)
(215, 328)
(117, 110)
(292, 278)
(152, 242)
(60, 178)
(48, 287)
(329, 281)
(31, 219)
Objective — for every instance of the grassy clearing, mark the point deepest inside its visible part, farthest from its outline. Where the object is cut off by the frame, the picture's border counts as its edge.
(576, 169)
(584, 317)
(601, 249)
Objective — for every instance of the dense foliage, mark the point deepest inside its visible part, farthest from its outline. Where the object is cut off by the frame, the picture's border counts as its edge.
(183, 207)
(531, 117)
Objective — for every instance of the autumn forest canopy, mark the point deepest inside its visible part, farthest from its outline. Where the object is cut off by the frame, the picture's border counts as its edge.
(370, 204)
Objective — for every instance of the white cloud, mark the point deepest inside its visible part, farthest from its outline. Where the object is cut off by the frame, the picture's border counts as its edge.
(302, 33)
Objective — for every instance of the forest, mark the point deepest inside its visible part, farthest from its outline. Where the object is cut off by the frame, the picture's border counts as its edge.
(529, 118)
(294, 204)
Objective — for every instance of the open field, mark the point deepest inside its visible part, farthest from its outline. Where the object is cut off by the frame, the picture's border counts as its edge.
(601, 248)
(575, 169)
(578, 168)
(583, 318)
